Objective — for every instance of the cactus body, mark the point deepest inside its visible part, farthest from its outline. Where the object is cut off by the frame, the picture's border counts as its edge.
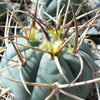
(41, 68)
(29, 69)
(48, 73)
(42, 58)
(50, 7)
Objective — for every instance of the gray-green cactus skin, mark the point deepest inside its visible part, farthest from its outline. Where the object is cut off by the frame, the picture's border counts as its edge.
(28, 70)
(50, 7)
(41, 68)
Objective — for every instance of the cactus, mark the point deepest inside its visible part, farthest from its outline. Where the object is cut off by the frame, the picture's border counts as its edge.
(50, 7)
(37, 63)
(29, 67)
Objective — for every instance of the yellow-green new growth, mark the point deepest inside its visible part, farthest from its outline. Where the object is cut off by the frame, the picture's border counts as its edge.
(69, 47)
(57, 46)
(32, 34)
(43, 43)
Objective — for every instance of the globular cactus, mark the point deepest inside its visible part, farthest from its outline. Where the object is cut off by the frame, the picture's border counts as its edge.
(42, 65)
(50, 7)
